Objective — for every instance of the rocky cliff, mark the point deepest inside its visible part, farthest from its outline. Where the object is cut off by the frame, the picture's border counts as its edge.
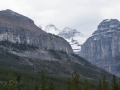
(17, 28)
(24, 46)
(103, 47)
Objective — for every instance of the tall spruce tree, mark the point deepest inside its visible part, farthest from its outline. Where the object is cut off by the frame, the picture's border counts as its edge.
(51, 86)
(119, 84)
(43, 83)
(69, 84)
(114, 83)
(19, 82)
(104, 83)
(75, 81)
(86, 85)
(11, 82)
(36, 87)
(99, 85)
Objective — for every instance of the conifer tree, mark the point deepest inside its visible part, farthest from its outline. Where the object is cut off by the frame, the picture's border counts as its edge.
(100, 85)
(104, 83)
(51, 87)
(86, 85)
(42, 81)
(19, 82)
(75, 81)
(114, 83)
(11, 82)
(36, 87)
(119, 84)
(69, 84)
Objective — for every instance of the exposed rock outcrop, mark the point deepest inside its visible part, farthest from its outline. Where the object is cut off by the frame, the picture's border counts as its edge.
(103, 47)
(17, 28)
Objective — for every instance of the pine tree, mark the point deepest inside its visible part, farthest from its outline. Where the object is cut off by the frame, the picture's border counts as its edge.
(86, 85)
(42, 81)
(11, 82)
(69, 84)
(75, 81)
(36, 87)
(104, 83)
(100, 85)
(19, 82)
(119, 84)
(114, 83)
(51, 87)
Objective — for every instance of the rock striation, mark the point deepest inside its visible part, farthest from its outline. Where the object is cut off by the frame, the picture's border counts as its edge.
(17, 28)
(103, 47)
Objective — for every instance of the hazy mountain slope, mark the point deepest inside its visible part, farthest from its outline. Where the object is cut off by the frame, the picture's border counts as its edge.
(29, 58)
(50, 28)
(74, 37)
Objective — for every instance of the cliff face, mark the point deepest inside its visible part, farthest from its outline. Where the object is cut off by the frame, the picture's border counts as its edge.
(17, 28)
(19, 37)
(103, 47)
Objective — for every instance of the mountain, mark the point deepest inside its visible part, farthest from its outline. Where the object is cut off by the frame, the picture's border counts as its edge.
(74, 37)
(17, 28)
(103, 47)
(50, 28)
(25, 46)
(30, 58)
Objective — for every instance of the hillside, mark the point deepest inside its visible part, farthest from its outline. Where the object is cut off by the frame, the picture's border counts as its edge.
(22, 57)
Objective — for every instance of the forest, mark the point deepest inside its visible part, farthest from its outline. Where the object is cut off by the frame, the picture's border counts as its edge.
(13, 79)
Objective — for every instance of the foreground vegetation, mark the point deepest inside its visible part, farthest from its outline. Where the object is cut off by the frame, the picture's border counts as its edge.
(13, 79)
(19, 75)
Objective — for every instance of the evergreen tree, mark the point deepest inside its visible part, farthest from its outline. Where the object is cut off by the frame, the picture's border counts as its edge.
(69, 84)
(119, 84)
(51, 87)
(36, 87)
(42, 81)
(19, 82)
(100, 85)
(75, 81)
(114, 83)
(11, 82)
(86, 85)
(104, 83)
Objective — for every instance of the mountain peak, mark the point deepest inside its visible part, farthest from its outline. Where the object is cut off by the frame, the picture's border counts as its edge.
(103, 47)
(10, 17)
(10, 12)
(50, 25)
(108, 24)
(74, 37)
(68, 32)
(50, 28)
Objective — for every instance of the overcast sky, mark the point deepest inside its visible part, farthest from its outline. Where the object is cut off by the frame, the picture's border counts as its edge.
(83, 15)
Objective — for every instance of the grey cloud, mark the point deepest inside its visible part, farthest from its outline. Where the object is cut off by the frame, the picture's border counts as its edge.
(83, 15)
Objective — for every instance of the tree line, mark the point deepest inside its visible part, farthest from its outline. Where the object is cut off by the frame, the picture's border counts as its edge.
(73, 83)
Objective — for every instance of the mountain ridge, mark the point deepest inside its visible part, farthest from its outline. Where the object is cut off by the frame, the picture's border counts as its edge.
(103, 47)
(74, 37)
(20, 29)
(33, 50)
